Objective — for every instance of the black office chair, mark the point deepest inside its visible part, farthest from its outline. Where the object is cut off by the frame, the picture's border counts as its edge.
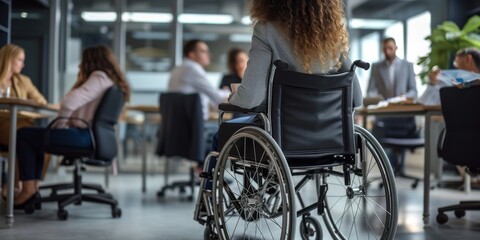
(101, 155)
(181, 134)
(399, 135)
(460, 145)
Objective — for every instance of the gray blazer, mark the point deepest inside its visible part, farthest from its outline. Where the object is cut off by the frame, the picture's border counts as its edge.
(403, 84)
(268, 45)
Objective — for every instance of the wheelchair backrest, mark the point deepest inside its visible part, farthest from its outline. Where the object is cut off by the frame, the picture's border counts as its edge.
(311, 115)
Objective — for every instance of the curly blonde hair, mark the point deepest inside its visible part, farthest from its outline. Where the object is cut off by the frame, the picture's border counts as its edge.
(315, 27)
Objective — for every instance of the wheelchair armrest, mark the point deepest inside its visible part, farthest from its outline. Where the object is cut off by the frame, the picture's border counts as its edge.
(227, 107)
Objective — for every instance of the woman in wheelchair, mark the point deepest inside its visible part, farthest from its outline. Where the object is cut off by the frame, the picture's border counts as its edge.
(302, 127)
(98, 71)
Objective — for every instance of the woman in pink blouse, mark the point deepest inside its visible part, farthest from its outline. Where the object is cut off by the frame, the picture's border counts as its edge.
(98, 71)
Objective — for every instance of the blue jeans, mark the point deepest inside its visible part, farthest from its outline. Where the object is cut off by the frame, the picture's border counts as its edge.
(31, 147)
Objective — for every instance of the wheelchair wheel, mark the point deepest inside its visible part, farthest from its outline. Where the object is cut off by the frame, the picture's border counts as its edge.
(361, 209)
(255, 178)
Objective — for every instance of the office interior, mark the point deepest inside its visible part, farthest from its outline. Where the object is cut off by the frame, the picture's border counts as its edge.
(147, 37)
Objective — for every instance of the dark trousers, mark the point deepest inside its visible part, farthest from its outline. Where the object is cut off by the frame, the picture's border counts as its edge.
(228, 128)
(31, 145)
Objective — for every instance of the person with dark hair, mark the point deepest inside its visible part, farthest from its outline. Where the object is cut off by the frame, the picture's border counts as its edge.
(392, 76)
(237, 63)
(191, 77)
(98, 71)
(389, 78)
(15, 84)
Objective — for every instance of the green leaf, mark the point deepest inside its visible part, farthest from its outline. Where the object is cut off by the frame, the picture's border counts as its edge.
(449, 26)
(472, 25)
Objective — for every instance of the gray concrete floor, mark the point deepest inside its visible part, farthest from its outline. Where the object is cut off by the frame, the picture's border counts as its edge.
(147, 217)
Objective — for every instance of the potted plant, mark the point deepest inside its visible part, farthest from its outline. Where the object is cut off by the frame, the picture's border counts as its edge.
(445, 40)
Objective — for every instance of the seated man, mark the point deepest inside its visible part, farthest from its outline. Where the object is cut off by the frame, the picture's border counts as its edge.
(191, 77)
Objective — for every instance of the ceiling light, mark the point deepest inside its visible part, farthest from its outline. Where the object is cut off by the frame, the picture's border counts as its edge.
(246, 20)
(187, 18)
(147, 17)
(205, 18)
(363, 23)
(99, 16)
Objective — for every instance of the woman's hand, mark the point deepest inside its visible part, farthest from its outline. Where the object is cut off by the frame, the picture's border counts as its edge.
(433, 75)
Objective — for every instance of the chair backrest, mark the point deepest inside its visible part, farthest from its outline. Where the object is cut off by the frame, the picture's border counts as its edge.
(311, 115)
(461, 112)
(104, 121)
(181, 130)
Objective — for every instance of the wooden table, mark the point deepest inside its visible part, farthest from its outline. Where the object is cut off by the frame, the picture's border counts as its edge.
(13, 105)
(402, 110)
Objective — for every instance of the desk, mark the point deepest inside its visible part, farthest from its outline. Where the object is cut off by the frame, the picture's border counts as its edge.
(13, 105)
(399, 110)
(145, 110)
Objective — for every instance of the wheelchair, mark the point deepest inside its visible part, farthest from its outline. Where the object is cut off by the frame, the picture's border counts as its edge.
(305, 141)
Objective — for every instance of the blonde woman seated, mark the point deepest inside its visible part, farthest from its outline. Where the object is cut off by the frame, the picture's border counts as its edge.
(12, 58)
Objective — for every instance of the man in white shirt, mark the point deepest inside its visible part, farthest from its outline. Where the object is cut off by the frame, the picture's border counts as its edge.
(190, 77)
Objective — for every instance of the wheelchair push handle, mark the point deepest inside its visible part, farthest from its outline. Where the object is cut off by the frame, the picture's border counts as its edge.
(360, 64)
(357, 63)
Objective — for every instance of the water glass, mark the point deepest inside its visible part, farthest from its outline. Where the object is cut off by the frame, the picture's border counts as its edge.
(5, 92)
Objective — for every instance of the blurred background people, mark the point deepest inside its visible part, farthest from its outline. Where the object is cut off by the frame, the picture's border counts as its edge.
(466, 59)
(237, 63)
(12, 59)
(191, 77)
(98, 71)
(393, 77)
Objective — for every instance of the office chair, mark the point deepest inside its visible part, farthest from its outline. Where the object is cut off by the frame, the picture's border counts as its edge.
(101, 155)
(460, 145)
(181, 134)
(399, 135)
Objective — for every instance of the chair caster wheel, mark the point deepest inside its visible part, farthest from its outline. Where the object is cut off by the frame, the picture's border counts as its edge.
(160, 194)
(62, 215)
(209, 233)
(459, 213)
(310, 229)
(29, 209)
(442, 218)
(116, 212)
